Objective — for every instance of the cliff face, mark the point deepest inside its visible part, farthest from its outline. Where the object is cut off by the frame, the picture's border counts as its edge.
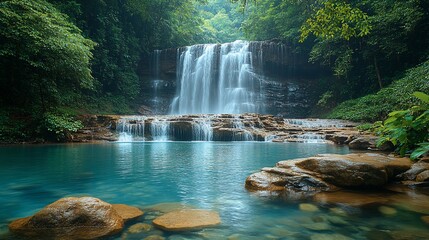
(291, 85)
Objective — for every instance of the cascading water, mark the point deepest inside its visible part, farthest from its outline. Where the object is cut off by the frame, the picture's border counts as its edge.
(243, 135)
(130, 129)
(217, 79)
(202, 130)
(159, 129)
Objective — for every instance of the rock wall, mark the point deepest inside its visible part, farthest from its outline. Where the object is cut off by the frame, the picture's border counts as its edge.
(291, 84)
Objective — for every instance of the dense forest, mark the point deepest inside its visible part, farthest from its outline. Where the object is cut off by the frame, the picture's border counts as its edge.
(60, 58)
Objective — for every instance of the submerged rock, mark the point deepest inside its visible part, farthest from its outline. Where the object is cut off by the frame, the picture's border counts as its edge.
(71, 218)
(187, 219)
(307, 207)
(350, 198)
(387, 210)
(139, 227)
(321, 236)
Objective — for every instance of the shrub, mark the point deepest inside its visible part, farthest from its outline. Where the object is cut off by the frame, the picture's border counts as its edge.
(408, 130)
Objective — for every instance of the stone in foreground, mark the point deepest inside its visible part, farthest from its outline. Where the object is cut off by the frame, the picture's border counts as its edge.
(187, 219)
(71, 218)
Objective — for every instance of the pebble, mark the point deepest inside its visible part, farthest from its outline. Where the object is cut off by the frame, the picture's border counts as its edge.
(338, 211)
(321, 226)
(337, 220)
(139, 227)
(307, 207)
(387, 210)
(154, 237)
(329, 237)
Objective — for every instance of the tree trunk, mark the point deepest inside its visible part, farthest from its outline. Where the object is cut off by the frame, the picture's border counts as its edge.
(377, 71)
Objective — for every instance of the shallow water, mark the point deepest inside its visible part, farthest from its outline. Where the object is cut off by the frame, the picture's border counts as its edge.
(207, 175)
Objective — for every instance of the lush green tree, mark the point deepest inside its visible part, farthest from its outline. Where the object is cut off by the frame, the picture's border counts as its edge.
(44, 64)
(42, 54)
(222, 21)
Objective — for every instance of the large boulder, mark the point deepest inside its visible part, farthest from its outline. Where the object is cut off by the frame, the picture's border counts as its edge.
(74, 218)
(187, 219)
(328, 172)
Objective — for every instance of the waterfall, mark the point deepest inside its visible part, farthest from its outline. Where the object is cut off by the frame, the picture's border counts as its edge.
(216, 78)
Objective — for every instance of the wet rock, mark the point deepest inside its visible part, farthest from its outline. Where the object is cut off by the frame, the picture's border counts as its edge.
(71, 218)
(362, 143)
(139, 227)
(328, 172)
(355, 170)
(187, 219)
(127, 212)
(423, 176)
(306, 207)
(387, 210)
(329, 237)
(337, 138)
(415, 170)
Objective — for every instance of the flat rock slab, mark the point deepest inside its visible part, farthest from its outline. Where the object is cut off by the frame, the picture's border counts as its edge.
(187, 219)
(127, 212)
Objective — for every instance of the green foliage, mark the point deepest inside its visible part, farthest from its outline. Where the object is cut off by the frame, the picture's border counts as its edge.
(42, 55)
(41, 39)
(336, 19)
(222, 21)
(397, 96)
(326, 99)
(59, 126)
(365, 127)
(408, 130)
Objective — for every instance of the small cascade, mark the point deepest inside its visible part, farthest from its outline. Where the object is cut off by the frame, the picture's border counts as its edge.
(131, 129)
(318, 123)
(159, 129)
(243, 134)
(223, 127)
(309, 138)
(269, 138)
(202, 130)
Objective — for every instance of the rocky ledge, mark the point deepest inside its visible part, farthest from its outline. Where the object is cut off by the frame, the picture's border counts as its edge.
(224, 127)
(330, 172)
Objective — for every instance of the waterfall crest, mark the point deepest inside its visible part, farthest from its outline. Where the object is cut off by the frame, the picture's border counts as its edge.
(214, 78)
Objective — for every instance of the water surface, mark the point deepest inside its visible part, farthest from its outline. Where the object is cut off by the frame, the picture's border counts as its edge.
(207, 175)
